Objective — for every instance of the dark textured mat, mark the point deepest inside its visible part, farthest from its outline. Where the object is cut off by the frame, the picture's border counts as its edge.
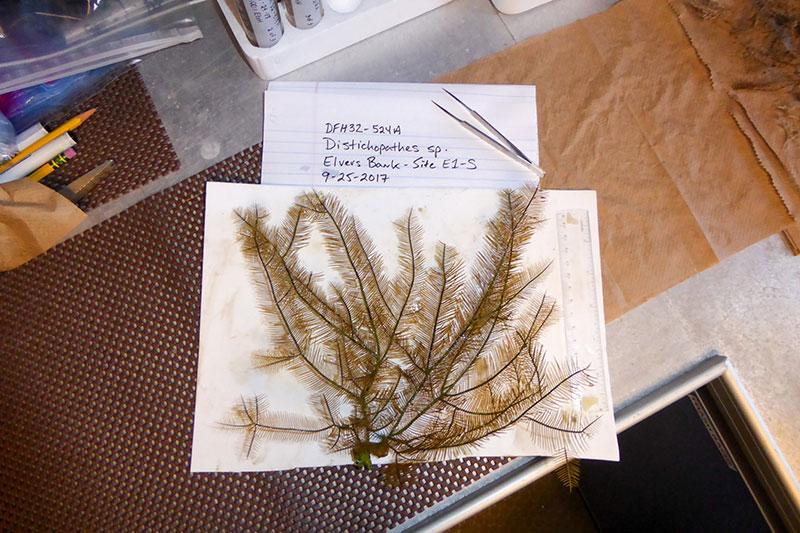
(98, 351)
(125, 129)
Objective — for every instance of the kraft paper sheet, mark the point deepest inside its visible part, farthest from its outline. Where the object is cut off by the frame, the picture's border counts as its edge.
(627, 107)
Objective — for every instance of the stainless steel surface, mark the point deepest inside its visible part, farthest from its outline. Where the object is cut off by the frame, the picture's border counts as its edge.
(770, 468)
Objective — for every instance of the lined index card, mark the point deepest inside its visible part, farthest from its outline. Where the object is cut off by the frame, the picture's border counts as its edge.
(392, 135)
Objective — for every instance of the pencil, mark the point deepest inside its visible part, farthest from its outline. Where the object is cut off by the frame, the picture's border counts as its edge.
(51, 165)
(69, 125)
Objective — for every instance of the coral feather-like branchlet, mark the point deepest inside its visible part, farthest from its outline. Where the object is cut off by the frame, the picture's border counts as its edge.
(425, 365)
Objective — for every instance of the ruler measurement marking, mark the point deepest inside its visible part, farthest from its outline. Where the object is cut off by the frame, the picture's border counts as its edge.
(580, 302)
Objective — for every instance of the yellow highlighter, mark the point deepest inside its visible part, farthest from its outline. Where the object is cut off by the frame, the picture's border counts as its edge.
(69, 125)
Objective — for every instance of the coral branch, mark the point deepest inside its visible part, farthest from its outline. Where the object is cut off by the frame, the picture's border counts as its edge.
(426, 365)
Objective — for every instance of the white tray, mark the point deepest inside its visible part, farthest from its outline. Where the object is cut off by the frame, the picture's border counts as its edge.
(513, 7)
(298, 48)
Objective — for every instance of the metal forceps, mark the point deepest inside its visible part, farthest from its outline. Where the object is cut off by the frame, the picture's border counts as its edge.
(503, 144)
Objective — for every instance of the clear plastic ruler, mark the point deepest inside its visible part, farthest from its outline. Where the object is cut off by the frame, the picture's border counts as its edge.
(583, 319)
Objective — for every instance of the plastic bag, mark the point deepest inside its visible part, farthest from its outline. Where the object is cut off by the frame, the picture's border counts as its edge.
(43, 40)
(25, 107)
(8, 140)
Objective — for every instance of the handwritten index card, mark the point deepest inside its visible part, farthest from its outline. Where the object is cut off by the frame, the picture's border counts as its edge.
(392, 135)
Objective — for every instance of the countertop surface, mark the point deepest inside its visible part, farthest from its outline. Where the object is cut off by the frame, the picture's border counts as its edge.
(746, 308)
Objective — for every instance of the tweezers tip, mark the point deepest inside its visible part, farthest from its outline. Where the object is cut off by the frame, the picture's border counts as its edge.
(457, 99)
(440, 107)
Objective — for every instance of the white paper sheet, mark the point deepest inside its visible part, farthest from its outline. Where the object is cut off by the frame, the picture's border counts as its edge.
(232, 329)
(391, 134)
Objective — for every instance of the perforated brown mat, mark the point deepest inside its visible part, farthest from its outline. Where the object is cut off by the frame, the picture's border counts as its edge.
(126, 129)
(98, 351)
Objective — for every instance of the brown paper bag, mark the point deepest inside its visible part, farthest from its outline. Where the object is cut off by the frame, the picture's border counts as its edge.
(752, 52)
(33, 218)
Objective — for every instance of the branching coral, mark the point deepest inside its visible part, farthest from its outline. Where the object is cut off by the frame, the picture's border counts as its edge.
(426, 365)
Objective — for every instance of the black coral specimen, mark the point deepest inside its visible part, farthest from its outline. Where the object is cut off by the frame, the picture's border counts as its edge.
(424, 365)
